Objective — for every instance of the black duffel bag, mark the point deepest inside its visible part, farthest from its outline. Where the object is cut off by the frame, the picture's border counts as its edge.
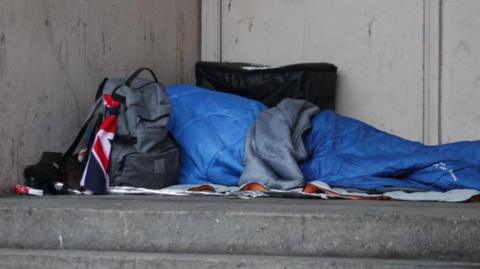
(314, 82)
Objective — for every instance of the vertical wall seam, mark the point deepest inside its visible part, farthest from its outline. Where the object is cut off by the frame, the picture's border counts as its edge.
(440, 69)
(199, 38)
(424, 88)
(431, 71)
(220, 28)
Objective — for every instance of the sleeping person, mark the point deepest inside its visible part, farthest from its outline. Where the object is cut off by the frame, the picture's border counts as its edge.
(231, 140)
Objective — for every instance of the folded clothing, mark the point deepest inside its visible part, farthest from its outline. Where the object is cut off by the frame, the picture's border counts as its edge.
(274, 145)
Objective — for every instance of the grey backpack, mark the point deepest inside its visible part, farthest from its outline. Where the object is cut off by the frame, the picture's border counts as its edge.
(142, 154)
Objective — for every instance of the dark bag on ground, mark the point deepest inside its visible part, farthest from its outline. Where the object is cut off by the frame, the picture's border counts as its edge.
(143, 154)
(314, 82)
(46, 175)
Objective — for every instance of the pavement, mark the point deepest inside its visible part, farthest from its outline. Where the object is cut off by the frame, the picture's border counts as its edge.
(220, 228)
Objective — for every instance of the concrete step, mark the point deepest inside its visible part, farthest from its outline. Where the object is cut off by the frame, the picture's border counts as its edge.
(65, 259)
(262, 226)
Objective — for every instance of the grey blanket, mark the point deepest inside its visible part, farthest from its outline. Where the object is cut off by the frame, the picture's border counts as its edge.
(274, 145)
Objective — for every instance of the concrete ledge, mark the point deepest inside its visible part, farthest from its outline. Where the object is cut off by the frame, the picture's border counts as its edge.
(61, 259)
(212, 225)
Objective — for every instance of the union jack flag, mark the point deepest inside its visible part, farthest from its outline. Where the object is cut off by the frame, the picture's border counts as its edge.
(95, 177)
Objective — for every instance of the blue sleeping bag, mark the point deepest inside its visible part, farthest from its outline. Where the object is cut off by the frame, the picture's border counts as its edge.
(351, 154)
(211, 128)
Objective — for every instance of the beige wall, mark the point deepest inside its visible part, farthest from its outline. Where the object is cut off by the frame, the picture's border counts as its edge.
(409, 67)
(376, 44)
(53, 54)
(460, 80)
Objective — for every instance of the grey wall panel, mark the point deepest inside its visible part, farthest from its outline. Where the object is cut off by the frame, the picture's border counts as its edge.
(377, 45)
(460, 95)
(53, 54)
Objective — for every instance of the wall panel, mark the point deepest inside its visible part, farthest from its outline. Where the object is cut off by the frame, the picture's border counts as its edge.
(460, 95)
(377, 45)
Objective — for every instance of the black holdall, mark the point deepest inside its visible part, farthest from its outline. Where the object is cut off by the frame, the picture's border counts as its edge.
(314, 82)
(49, 177)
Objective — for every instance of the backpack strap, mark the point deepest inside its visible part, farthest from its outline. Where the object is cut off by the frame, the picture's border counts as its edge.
(100, 89)
(129, 81)
(136, 73)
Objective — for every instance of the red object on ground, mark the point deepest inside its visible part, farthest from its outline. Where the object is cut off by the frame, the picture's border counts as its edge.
(21, 189)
